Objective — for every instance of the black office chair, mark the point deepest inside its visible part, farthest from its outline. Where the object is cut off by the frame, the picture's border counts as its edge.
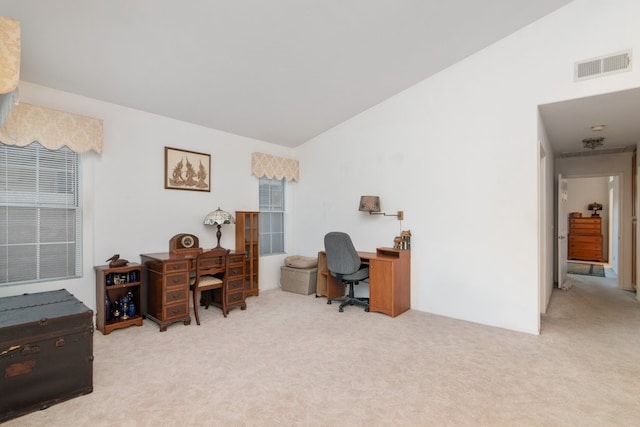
(343, 263)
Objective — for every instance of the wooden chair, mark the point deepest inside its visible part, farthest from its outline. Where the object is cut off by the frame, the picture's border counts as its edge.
(211, 273)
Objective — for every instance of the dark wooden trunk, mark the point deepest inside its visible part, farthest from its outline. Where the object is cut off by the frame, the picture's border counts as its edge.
(46, 351)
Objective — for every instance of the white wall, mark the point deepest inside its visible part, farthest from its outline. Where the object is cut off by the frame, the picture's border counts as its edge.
(546, 218)
(459, 154)
(614, 226)
(127, 210)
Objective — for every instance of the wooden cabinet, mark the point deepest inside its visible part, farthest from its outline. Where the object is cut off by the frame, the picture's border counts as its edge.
(167, 286)
(390, 281)
(585, 239)
(247, 241)
(115, 284)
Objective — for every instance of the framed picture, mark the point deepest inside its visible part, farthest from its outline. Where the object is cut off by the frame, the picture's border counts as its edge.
(186, 170)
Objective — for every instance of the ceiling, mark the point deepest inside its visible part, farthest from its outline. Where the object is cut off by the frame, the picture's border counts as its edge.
(281, 71)
(569, 122)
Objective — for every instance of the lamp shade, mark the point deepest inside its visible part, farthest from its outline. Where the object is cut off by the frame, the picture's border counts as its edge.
(369, 204)
(218, 217)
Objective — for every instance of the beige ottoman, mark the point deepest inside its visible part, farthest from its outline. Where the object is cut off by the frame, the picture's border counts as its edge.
(298, 280)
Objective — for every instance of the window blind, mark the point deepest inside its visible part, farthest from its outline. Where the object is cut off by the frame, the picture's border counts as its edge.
(271, 216)
(40, 214)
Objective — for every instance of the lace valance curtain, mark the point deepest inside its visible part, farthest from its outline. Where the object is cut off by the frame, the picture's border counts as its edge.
(9, 65)
(52, 129)
(265, 165)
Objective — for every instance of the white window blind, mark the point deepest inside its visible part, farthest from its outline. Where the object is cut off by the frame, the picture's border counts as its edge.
(271, 216)
(40, 214)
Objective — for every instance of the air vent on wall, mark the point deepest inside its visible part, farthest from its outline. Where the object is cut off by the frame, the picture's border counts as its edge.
(603, 66)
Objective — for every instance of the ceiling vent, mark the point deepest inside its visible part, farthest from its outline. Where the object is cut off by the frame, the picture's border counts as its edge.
(602, 66)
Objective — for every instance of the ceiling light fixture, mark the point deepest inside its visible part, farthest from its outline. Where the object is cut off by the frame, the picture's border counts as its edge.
(593, 142)
(597, 128)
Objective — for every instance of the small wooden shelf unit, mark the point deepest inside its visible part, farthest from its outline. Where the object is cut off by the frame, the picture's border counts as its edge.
(105, 287)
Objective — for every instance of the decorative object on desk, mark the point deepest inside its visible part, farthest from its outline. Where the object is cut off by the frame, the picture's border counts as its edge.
(116, 261)
(397, 242)
(575, 214)
(186, 170)
(184, 244)
(371, 204)
(593, 142)
(595, 207)
(405, 238)
(217, 218)
(403, 241)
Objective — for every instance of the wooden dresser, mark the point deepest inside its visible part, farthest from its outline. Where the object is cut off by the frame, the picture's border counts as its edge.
(585, 239)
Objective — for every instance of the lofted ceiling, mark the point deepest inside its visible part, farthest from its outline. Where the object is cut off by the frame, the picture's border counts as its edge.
(282, 71)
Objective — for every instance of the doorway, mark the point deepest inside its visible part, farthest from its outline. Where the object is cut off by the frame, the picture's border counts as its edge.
(582, 192)
(562, 127)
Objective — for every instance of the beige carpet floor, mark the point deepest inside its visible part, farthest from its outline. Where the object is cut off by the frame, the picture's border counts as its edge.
(293, 360)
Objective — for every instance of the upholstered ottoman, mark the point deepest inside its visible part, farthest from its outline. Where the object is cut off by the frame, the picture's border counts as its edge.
(298, 280)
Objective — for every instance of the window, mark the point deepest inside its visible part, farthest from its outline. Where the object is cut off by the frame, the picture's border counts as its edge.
(271, 216)
(40, 215)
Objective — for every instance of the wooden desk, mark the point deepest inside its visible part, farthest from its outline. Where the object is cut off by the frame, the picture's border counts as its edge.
(389, 280)
(166, 279)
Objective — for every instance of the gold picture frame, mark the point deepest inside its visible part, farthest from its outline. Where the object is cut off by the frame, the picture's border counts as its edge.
(186, 170)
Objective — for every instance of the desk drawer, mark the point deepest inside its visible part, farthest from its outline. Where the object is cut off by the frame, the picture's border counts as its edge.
(173, 280)
(236, 259)
(236, 270)
(235, 285)
(173, 296)
(182, 265)
(176, 311)
(234, 298)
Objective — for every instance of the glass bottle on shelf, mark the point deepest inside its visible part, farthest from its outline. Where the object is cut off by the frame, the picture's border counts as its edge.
(124, 307)
(107, 308)
(132, 309)
(116, 309)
